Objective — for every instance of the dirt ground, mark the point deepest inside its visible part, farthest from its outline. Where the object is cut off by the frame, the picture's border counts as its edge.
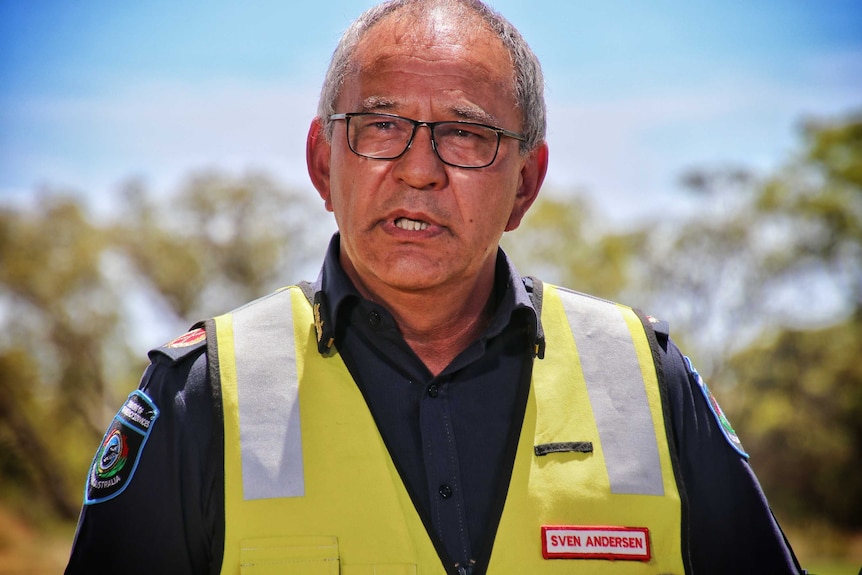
(27, 551)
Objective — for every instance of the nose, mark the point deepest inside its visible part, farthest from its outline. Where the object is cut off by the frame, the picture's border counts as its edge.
(420, 167)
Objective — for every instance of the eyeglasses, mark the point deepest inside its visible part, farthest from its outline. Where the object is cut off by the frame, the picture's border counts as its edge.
(387, 137)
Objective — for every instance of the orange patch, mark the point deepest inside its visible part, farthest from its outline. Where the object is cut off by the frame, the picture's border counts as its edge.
(188, 339)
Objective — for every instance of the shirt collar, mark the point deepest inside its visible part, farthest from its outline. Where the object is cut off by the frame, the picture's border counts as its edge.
(333, 288)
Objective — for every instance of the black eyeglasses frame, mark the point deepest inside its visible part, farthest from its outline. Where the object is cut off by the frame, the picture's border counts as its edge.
(431, 125)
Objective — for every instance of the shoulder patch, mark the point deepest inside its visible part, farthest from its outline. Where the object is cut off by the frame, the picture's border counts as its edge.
(178, 348)
(188, 339)
(118, 455)
(723, 423)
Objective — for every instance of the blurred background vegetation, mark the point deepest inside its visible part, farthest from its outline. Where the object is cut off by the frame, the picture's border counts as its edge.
(762, 285)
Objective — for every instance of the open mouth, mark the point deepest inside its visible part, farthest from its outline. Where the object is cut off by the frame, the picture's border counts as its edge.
(410, 225)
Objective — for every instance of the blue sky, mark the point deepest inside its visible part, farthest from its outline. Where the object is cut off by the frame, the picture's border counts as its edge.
(94, 92)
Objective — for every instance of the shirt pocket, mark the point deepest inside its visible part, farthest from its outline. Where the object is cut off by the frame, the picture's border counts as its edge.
(381, 569)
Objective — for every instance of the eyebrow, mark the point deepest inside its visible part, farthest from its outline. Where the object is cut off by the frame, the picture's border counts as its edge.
(474, 114)
(377, 104)
(464, 112)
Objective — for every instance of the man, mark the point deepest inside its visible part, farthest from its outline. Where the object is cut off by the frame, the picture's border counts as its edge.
(422, 408)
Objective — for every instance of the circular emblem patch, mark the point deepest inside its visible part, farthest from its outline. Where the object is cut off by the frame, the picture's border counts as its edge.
(113, 455)
(120, 450)
(724, 424)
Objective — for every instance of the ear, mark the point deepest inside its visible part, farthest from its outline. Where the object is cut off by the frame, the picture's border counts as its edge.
(532, 175)
(317, 157)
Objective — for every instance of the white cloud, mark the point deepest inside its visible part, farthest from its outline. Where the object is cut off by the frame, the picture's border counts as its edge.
(628, 152)
(161, 131)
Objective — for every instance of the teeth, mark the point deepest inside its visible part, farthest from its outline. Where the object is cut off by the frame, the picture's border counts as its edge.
(411, 225)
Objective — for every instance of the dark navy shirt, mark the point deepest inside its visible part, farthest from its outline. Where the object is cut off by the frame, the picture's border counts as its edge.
(451, 437)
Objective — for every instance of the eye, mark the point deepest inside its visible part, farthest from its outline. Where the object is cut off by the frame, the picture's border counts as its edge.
(465, 133)
(468, 132)
(382, 125)
(377, 126)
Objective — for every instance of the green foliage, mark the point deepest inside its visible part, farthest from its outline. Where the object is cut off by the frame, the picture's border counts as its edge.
(220, 243)
(66, 284)
(819, 197)
(57, 312)
(567, 243)
(799, 402)
(781, 250)
(753, 283)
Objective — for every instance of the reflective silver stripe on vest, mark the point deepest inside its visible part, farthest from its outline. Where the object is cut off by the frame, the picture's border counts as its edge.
(267, 391)
(615, 386)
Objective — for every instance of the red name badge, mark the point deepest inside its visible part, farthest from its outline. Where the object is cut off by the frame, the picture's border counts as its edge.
(593, 542)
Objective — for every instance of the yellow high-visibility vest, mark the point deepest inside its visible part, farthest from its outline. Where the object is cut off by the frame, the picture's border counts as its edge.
(310, 487)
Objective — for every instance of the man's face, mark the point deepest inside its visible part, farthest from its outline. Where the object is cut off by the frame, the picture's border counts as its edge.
(414, 223)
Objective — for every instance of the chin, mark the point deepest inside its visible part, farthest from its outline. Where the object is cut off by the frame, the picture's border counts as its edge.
(408, 283)
(413, 276)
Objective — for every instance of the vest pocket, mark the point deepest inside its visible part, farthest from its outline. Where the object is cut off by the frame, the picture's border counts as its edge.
(296, 555)
(387, 569)
(306, 555)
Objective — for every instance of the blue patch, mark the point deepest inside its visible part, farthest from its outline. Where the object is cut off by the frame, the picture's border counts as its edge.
(723, 423)
(117, 457)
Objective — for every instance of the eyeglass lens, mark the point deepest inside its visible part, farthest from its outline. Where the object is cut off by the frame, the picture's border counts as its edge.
(458, 143)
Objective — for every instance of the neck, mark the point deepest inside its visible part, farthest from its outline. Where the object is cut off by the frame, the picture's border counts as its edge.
(447, 328)
(440, 323)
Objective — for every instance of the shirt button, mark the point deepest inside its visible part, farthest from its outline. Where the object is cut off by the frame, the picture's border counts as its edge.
(432, 390)
(445, 491)
(374, 318)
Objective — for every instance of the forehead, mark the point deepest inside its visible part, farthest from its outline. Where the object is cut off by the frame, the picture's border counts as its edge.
(447, 51)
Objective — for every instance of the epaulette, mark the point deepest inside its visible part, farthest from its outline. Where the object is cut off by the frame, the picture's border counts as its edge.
(660, 327)
(322, 320)
(184, 345)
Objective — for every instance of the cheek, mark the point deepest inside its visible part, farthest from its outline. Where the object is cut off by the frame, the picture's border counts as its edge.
(492, 205)
(343, 182)
(487, 221)
(352, 196)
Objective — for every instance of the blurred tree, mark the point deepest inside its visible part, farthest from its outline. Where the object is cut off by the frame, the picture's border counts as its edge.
(221, 241)
(58, 317)
(804, 388)
(591, 259)
(72, 292)
(819, 200)
(781, 250)
(768, 285)
(799, 405)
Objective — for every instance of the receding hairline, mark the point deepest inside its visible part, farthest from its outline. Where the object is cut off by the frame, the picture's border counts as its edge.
(458, 16)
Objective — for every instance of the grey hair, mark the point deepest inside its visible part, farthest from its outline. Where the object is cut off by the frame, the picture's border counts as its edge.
(529, 82)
